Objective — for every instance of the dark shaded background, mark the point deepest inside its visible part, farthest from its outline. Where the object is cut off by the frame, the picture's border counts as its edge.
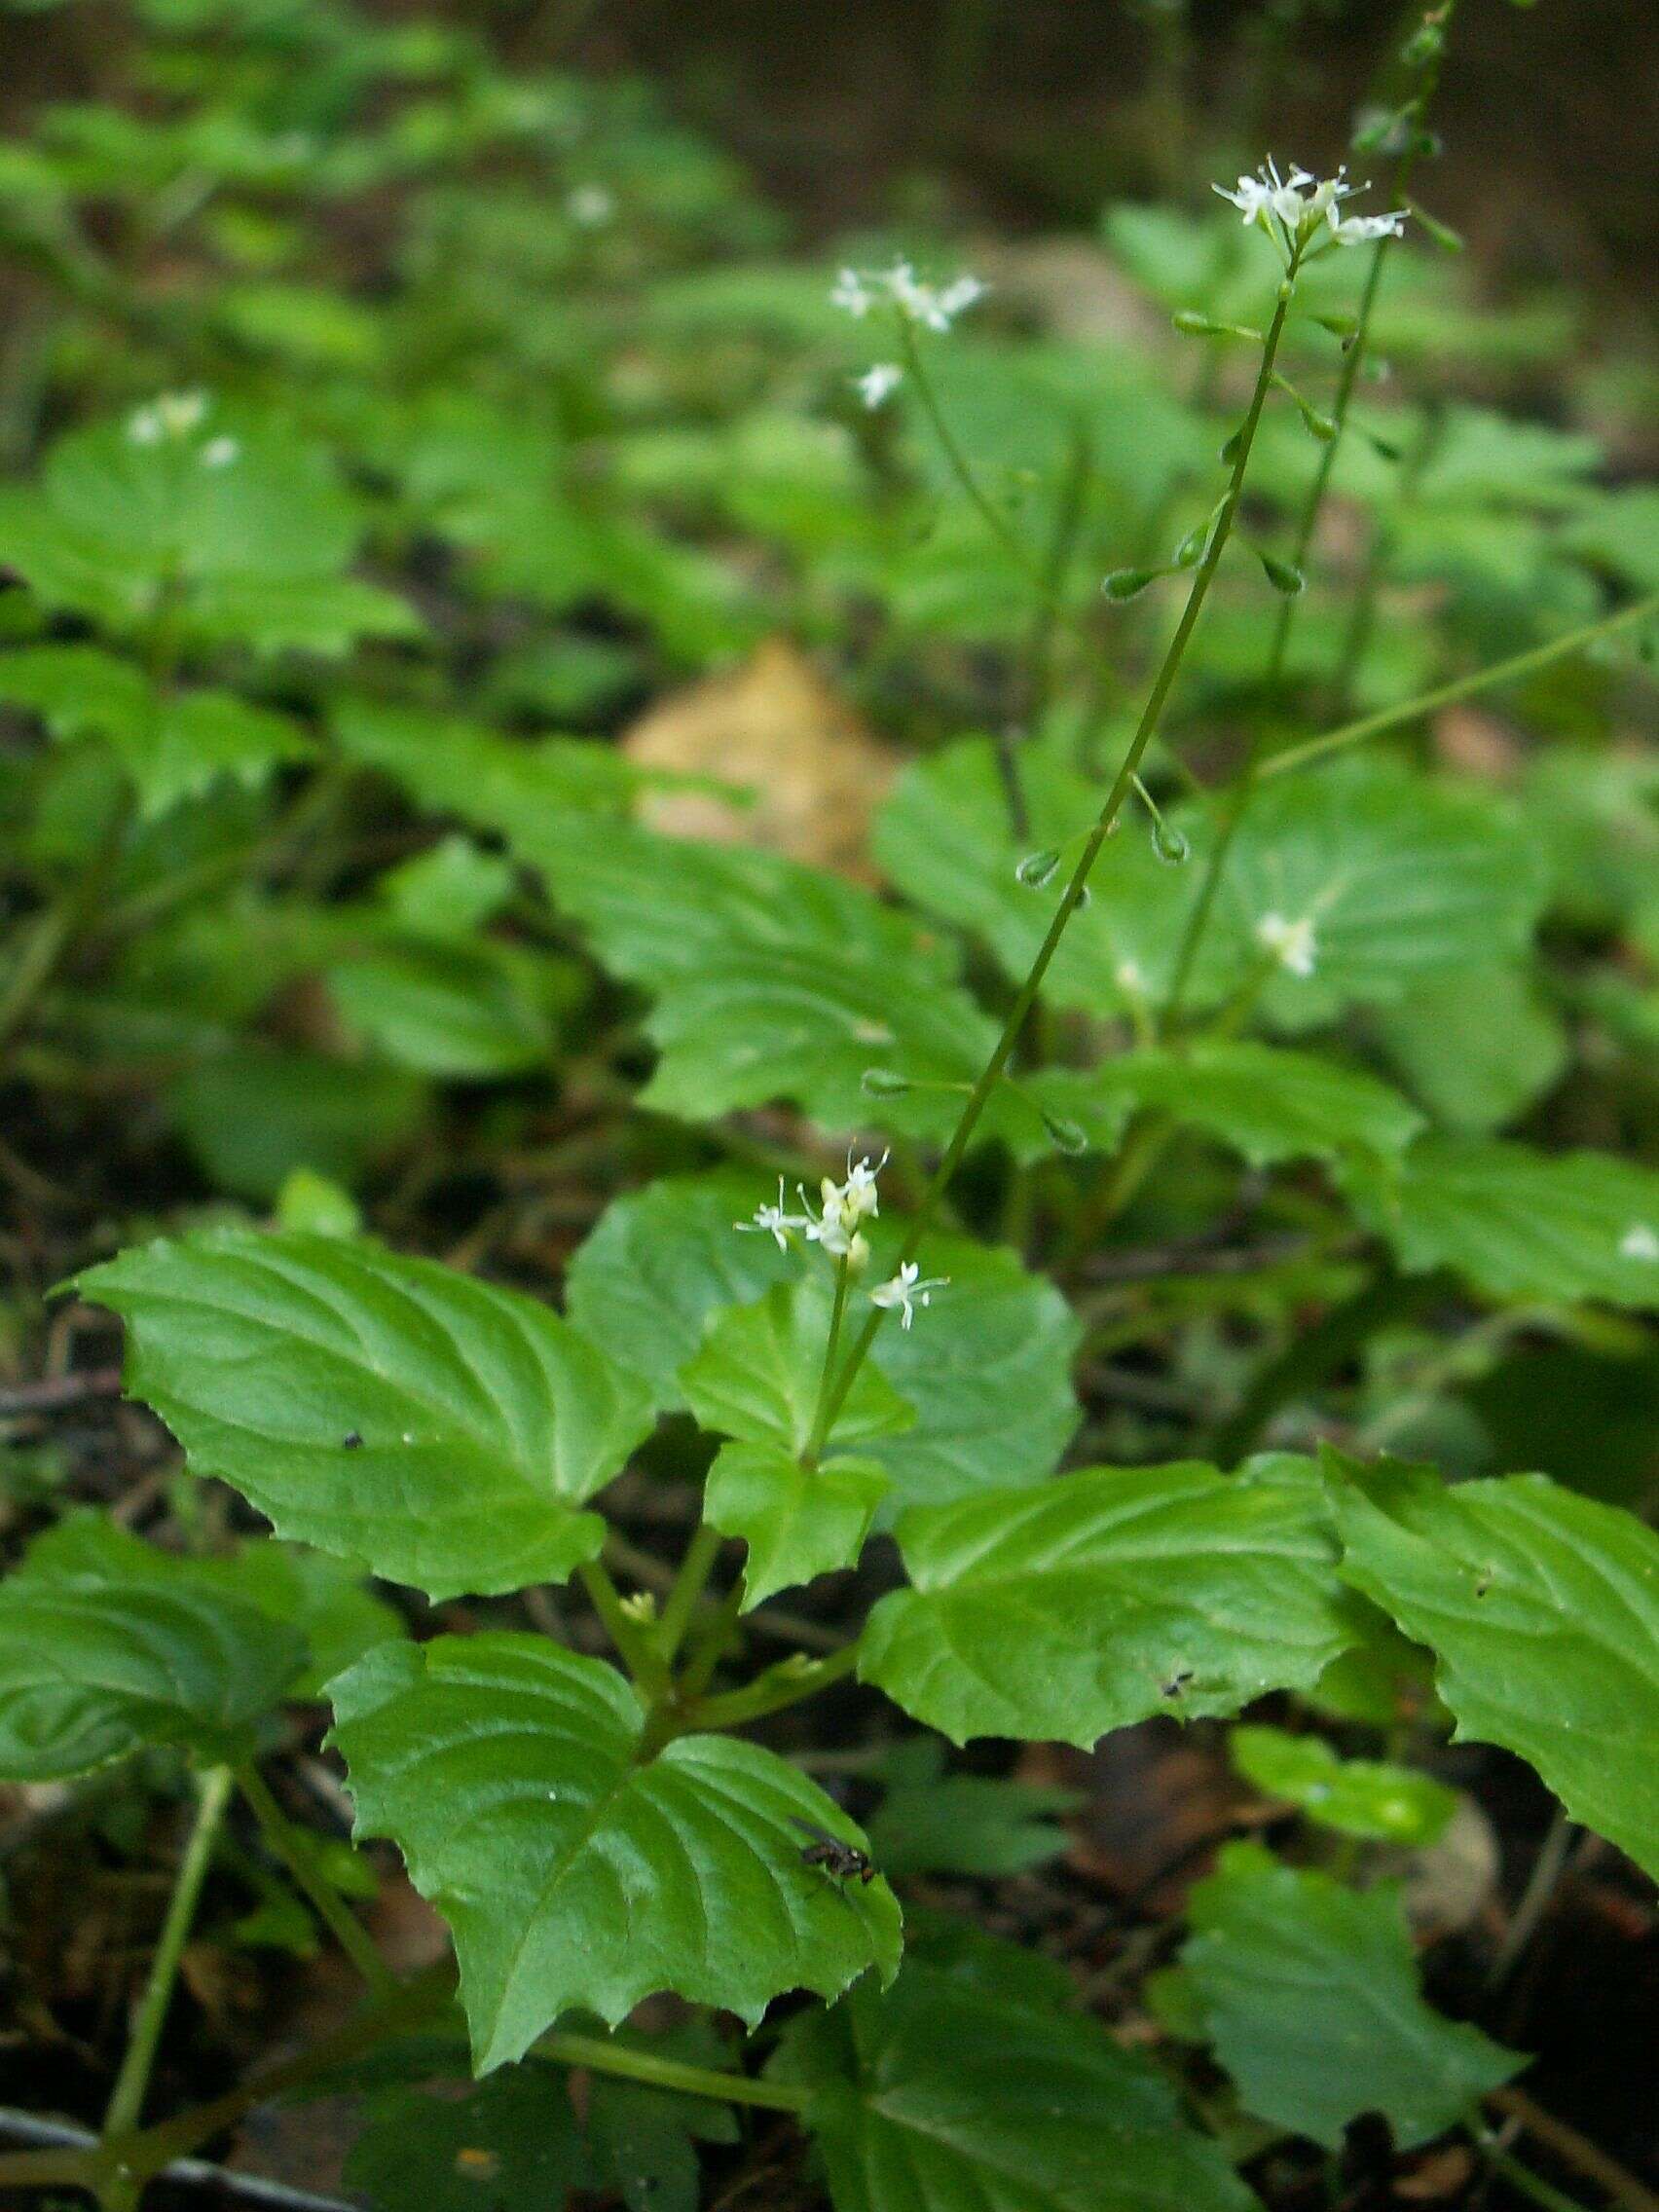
(1036, 110)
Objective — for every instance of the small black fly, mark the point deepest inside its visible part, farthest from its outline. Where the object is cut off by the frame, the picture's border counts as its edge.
(842, 1861)
(351, 1441)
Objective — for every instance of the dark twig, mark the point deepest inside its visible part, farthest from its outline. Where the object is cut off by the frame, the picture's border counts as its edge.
(60, 1393)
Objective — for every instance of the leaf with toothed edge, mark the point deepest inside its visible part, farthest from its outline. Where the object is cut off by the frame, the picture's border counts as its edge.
(1107, 1595)
(1311, 1994)
(1542, 1610)
(440, 1430)
(572, 1871)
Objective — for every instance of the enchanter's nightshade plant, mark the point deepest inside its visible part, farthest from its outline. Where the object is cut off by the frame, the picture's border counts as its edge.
(650, 1551)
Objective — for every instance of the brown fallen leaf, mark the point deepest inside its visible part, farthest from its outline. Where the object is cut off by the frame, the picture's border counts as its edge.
(1159, 1802)
(810, 770)
(1475, 745)
(1435, 2177)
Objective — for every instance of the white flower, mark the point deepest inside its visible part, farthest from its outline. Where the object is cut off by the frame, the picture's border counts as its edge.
(843, 1207)
(878, 382)
(852, 294)
(1360, 230)
(590, 206)
(1639, 1242)
(1292, 208)
(858, 1194)
(1292, 943)
(219, 453)
(907, 1290)
(170, 415)
(773, 1222)
(937, 306)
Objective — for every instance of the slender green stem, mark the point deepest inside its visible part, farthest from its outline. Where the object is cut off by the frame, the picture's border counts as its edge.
(55, 932)
(127, 2099)
(291, 1846)
(602, 2057)
(632, 1641)
(1644, 610)
(685, 1593)
(1069, 509)
(1045, 586)
(957, 461)
(818, 1434)
(780, 1686)
(1308, 522)
(1146, 729)
(713, 1640)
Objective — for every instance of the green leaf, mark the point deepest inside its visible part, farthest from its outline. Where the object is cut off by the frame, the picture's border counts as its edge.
(970, 2087)
(1542, 1610)
(1310, 1994)
(570, 1872)
(255, 1113)
(466, 769)
(316, 1205)
(323, 1597)
(1518, 1222)
(944, 841)
(773, 981)
(756, 1379)
(988, 1376)
(797, 1522)
(448, 892)
(227, 516)
(641, 2142)
(1399, 878)
(108, 1646)
(173, 744)
(1620, 532)
(484, 1419)
(934, 1823)
(1475, 1044)
(500, 2145)
(1402, 877)
(1107, 1595)
(462, 1013)
(514, 2142)
(758, 1372)
(1267, 1102)
(1370, 1797)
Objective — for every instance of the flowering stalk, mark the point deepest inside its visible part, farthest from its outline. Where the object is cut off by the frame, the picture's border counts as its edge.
(832, 1345)
(1071, 899)
(1500, 672)
(1244, 789)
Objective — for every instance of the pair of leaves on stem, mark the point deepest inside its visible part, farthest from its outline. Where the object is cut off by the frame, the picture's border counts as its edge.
(482, 1422)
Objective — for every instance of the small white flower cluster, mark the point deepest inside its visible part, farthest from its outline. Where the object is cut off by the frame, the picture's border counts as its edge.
(1293, 944)
(836, 1228)
(1302, 214)
(936, 307)
(590, 206)
(174, 416)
